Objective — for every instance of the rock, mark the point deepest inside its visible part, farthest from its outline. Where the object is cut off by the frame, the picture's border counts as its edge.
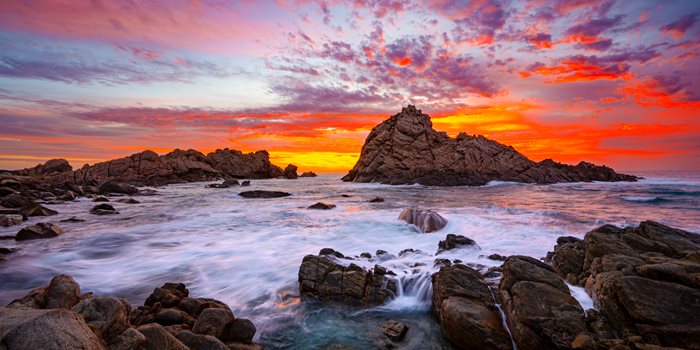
(263, 194)
(109, 316)
(394, 330)
(63, 292)
(157, 338)
(130, 339)
(540, 312)
(213, 321)
(7, 220)
(454, 242)
(325, 279)
(4, 250)
(244, 346)
(583, 341)
(34, 209)
(168, 295)
(226, 184)
(117, 187)
(73, 219)
(128, 201)
(377, 200)
(6, 191)
(466, 310)
(45, 329)
(426, 220)
(405, 149)
(567, 258)
(236, 164)
(100, 199)
(245, 183)
(497, 257)
(290, 172)
(240, 330)
(194, 306)
(321, 205)
(200, 341)
(103, 209)
(308, 174)
(170, 316)
(68, 197)
(331, 251)
(50, 167)
(14, 201)
(38, 231)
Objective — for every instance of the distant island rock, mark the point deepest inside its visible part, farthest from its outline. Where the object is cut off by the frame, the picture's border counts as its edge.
(150, 169)
(405, 149)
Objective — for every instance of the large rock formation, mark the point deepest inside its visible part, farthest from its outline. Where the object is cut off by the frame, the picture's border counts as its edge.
(405, 149)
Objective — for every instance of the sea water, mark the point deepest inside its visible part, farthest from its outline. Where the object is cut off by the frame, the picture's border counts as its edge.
(247, 252)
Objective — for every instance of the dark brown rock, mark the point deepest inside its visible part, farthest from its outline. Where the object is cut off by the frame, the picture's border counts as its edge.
(200, 341)
(128, 201)
(34, 209)
(290, 171)
(394, 330)
(168, 295)
(100, 199)
(453, 241)
(263, 194)
(157, 338)
(322, 206)
(405, 149)
(130, 339)
(117, 187)
(194, 306)
(14, 201)
(103, 209)
(51, 166)
(108, 316)
(426, 220)
(376, 200)
(240, 330)
(308, 174)
(171, 316)
(39, 231)
(213, 321)
(7, 220)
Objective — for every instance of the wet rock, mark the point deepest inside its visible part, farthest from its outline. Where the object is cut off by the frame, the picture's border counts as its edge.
(366, 255)
(541, 313)
(322, 206)
(168, 295)
(455, 242)
(130, 339)
(73, 219)
(394, 330)
(157, 338)
(226, 184)
(497, 257)
(240, 330)
(245, 183)
(68, 197)
(263, 194)
(377, 200)
(322, 277)
(244, 346)
(466, 309)
(213, 321)
(331, 251)
(308, 174)
(6, 191)
(34, 209)
(45, 329)
(426, 220)
(108, 316)
(405, 149)
(117, 187)
(39, 231)
(170, 316)
(128, 201)
(14, 201)
(100, 199)
(567, 258)
(103, 209)
(63, 292)
(200, 341)
(290, 171)
(194, 306)
(7, 220)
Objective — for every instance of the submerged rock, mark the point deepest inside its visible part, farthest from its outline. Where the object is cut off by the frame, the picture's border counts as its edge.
(376, 200)
(321, 205)
(263, 194)
(103, 209)
(426, 220)
(128, 201)
(39, 231)
(405, 149)
(453, 241)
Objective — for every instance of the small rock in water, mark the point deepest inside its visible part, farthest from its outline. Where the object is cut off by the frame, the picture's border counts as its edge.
(117, 187)
(497, 257)
(128, 201)
(453, 241)
(308, 174)
(103, 209)
(73, 219)
(366, 255)
(100, 199)
(245, 183)
(33, 209)
(345, 195)
(394, 330)
(322, 206)
(426, 220)
(38, 231)
(8, 220)
(377, 200)
(264, 194)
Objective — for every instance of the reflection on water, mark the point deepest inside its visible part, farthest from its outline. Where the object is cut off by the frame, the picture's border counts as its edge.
(246, 252)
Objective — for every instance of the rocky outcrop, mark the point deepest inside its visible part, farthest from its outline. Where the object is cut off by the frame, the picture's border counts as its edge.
(308, 174)
(405, 149)
(426, 220)
(466, 309)
(50, 167)
(290, 172)
(645, 280)
(330, 276)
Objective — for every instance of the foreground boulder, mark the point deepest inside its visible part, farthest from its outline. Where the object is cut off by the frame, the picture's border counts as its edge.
(466, 309)
(39, 231)
(62, 292)
(644, 280)
(540, 311)
(405, 149)
(426, 220)
(109, 317)
(324, 277)
(453, 241)
(264, 194)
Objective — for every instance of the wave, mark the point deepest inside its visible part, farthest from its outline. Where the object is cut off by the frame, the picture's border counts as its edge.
(643, 199)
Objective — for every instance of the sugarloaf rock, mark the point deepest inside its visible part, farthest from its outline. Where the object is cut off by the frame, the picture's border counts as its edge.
(405, 149)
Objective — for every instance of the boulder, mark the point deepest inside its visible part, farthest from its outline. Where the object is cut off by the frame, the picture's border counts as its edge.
(240, 330)
(103, 209)
(453, 241)
(245, 183)
(14, 201)
(194, 306)
(308, 174)
(263, 194)
(168, 295)
(323, 277)
(466, 309)
(426, 220)
(38, 231)
(108, 316)
(394, 330)
(100, 199)
(117, 187)
(157, 338)
(45, 329)
(322, 206)
(200, 341)
(7, 220)
(128, 200)
(130, 339)
(213, 321)
(290, 171)
(376, 200)
(34, 209)
(6, 191)
(405, 149)
(171, 316)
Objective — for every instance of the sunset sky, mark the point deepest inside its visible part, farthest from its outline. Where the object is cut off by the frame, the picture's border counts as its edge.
(614, 82)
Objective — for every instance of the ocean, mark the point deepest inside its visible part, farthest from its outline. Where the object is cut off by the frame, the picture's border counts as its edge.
(247, 252)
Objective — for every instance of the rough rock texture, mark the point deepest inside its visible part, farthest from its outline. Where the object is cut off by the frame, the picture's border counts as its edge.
(406, 149)
(541, 313)
(201, 341)
(157, 338)
(51, 166)
(290, 171)
(213, 321)
(7, 220)
(57, 329)
(264, 194)
(394, 330)
(453, 241)
(38, 231)
(34, 209)
(325, 277)
(130, 339)
(465, 307)
(645, 280)
(426, 220)
(108, 316)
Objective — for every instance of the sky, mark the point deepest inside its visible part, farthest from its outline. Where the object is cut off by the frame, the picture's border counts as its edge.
(611, 82)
